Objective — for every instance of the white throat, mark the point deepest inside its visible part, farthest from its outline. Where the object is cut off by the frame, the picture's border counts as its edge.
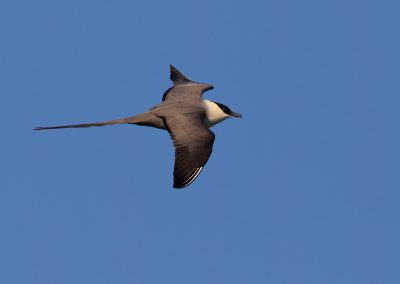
(214, 114)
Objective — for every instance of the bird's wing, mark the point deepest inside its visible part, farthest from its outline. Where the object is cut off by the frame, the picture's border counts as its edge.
(183, 87)
(177, 77)
(193, 143)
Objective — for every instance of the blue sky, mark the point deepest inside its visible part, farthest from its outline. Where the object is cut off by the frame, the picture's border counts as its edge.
(303, 189)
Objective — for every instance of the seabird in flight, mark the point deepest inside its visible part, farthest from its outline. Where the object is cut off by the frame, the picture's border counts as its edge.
(187, 118)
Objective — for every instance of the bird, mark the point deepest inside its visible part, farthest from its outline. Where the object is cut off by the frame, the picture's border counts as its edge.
(188, 119)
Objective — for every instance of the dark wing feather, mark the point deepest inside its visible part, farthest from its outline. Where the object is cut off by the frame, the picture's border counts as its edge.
(177, 77)
(193, 143)
(184, 87)
(166, 93)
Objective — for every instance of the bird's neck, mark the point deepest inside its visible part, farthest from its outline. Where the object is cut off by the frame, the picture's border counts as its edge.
(214, 114)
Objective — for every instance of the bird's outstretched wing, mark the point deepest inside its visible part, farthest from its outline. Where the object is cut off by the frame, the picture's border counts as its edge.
(183, 87)
(193, 143)
(177, 77)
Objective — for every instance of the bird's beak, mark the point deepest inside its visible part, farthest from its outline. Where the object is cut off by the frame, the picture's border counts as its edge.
(234, 114)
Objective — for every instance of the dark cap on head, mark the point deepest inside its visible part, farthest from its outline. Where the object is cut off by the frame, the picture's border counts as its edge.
(228, 111)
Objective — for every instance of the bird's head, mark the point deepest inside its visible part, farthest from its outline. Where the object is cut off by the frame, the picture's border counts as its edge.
(228, 111)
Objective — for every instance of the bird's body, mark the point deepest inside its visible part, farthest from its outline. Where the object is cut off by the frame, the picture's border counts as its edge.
(187, 117)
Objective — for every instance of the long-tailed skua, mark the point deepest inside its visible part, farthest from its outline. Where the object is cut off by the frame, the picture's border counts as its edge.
(187, 117)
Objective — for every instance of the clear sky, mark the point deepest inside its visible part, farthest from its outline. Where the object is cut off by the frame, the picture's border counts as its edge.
(304, 189)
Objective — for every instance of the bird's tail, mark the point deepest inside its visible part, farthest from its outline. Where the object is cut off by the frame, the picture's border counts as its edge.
(110, 122)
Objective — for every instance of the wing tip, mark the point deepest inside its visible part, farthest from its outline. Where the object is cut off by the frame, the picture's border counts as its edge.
(188, 180)
(176, 76)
